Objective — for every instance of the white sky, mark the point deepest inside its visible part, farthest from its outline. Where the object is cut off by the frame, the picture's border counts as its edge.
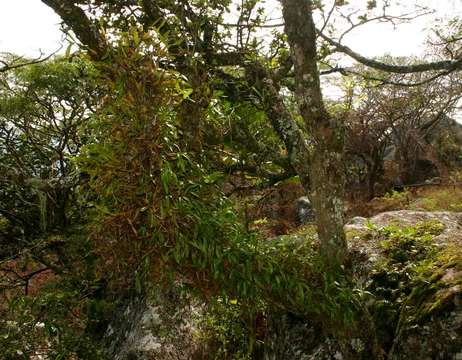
(406, 39)
(28, 26)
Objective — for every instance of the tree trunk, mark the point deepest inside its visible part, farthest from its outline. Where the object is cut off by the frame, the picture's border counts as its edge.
(326, 142)
(284, 125)
(326, 136)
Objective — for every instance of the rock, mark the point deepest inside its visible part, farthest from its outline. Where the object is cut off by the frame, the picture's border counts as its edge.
(416, 306)
(358, 222)
(422, 308)
(288, 337)
(433, 181)
(452, 222)
(161, 327)
(414, 282)
(305, 211)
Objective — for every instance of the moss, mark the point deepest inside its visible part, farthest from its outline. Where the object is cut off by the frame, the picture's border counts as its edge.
(413, 282)
(436, 285)
(363, 234)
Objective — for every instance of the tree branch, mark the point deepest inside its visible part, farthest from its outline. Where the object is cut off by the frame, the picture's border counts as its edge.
(86, 31)
(448, 65)
(10, 66)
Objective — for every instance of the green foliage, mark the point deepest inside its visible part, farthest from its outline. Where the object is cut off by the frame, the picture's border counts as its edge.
(228, 329)
(158, 208)
(63, 317)
(396, 199)
(435, 287)
(44, 110)
(99, 151)
(51, 323)
(249, 146)
(411, 243)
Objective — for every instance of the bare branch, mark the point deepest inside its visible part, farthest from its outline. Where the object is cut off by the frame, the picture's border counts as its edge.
(384, 81)
(447, 65)
(14, 64)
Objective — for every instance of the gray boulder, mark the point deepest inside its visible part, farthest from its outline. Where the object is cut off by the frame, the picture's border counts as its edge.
(160, 326)
(305, 211)
(416, 297)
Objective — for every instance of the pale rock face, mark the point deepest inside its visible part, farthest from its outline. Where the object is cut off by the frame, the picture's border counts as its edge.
(161, 328)
(357, 222)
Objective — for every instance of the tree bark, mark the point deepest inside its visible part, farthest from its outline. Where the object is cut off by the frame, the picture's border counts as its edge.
(444, 65)
(326, 137)
(85, 30)
(282, 121)
(326, 143)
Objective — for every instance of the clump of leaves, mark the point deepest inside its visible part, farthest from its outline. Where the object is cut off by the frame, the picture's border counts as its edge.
(411, 243)
(232, 330)
(158, 208)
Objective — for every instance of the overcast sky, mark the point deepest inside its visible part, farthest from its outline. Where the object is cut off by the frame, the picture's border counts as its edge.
(27, 26)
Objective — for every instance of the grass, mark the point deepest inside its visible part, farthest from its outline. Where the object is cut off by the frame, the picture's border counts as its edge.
(425, 198)
(444, 198)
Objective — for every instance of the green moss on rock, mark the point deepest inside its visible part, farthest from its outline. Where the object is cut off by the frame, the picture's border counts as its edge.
(415, 282)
